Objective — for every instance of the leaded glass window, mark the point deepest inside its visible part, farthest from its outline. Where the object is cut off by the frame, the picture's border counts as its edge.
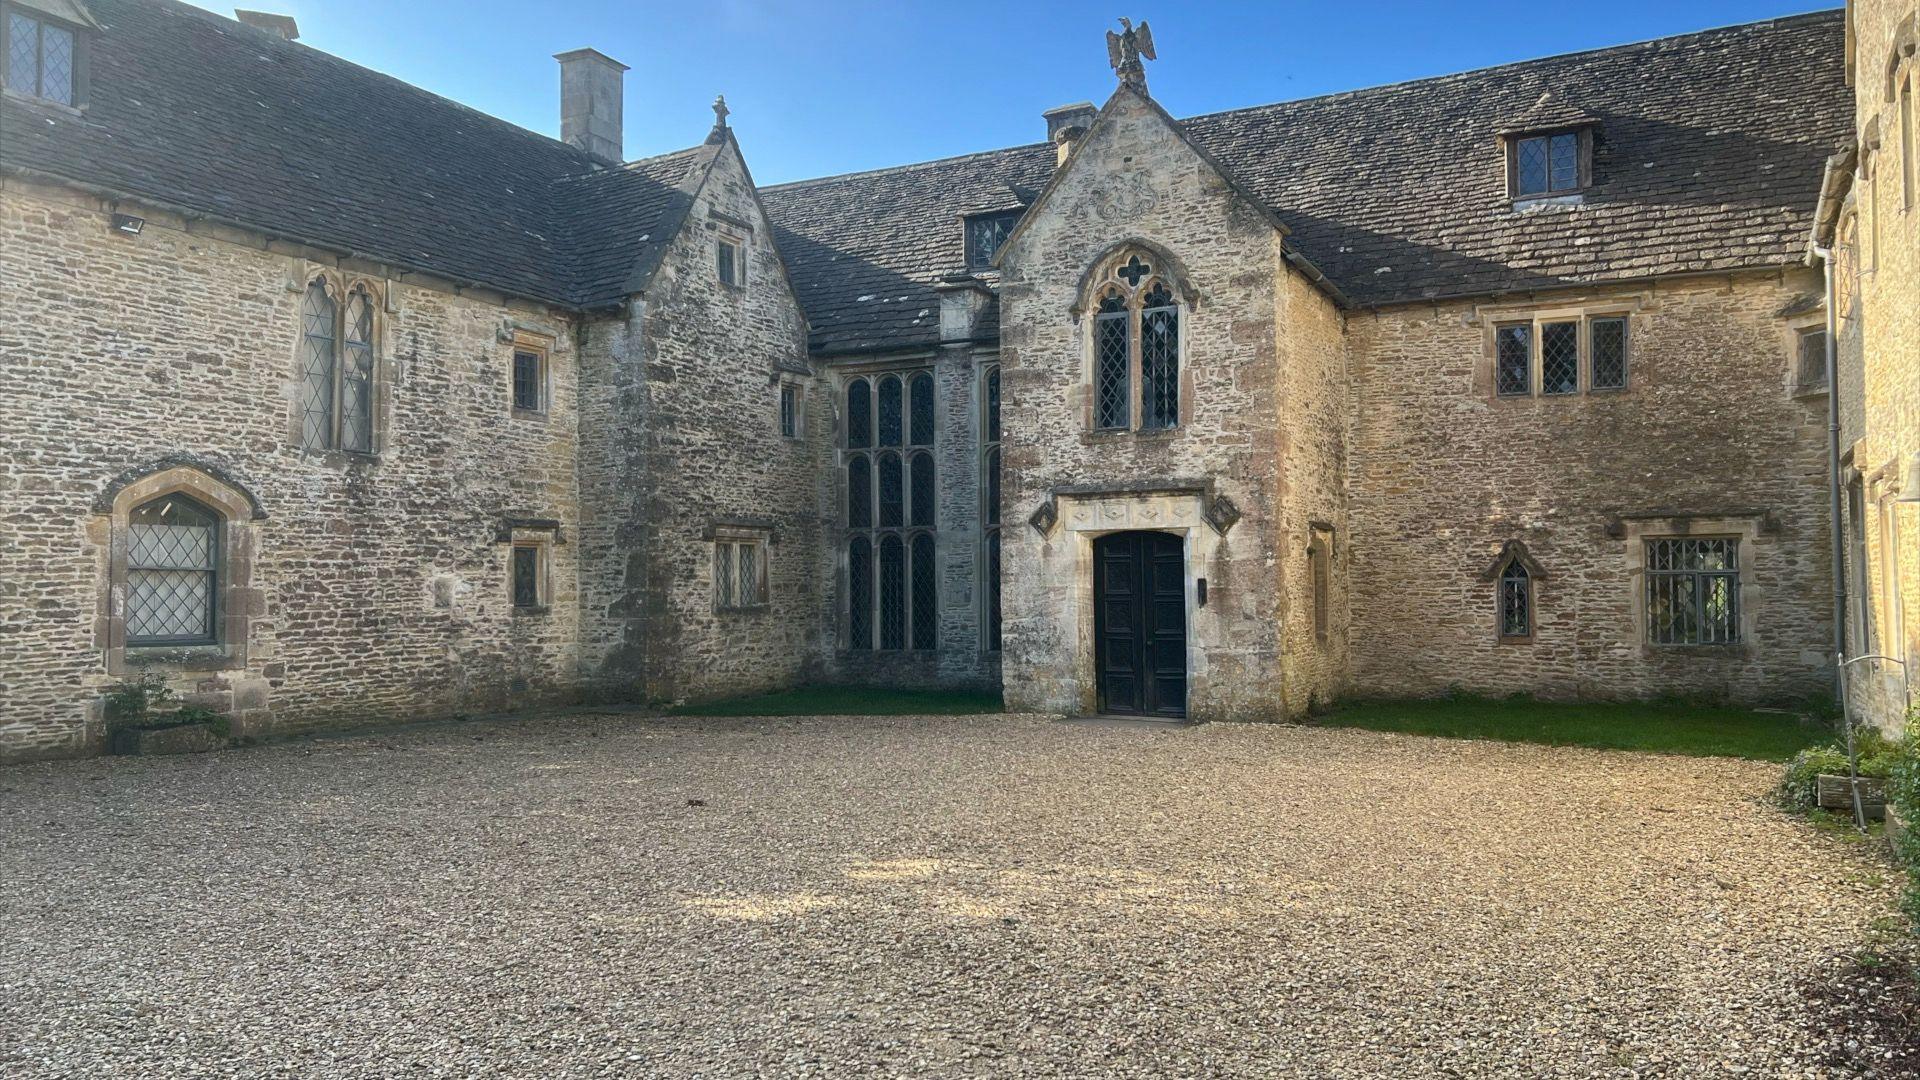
(337, 369)
(985, 234)
(1693, 591)
(41, 59)
(859, 414)
(920, 410)
(526, 576)
(1560, 358)
(1513, 359)
(990, 508)
(1810, 368)
(739, 573)
(893, 593)
(1516, 601)
(1111, 359)
(1545, 164)
(892, 496)
(1160, 359)
(1608, 341)
(890, 411)
(993, 405)
(890, 490)
(859, 593)
(926, 607)
(173, 550)
(920, 490)
(993, 591)
(789, 411)
(993, 486)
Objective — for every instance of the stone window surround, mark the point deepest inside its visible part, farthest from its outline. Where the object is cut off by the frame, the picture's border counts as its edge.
(1167, 271)
(1791, 331)
(82, 58)
(738, 235)
(764, 534)
(1515, 551)
(340, 284)
(797, 383)
(528, 341)
(1320, 550)
(542, 535)
(1510, 146)
(236, 602)
(1633, 307)
(1745, 527)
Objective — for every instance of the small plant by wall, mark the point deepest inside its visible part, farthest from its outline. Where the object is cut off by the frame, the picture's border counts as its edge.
(147, 703)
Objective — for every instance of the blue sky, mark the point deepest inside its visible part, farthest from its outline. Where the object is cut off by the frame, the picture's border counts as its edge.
(826, 87)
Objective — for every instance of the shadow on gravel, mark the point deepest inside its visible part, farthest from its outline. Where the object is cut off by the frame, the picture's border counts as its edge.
(1867, 1011)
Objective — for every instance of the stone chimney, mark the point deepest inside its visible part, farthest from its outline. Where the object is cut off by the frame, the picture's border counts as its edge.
(280, 26)
(1066, 124)
(590, 103)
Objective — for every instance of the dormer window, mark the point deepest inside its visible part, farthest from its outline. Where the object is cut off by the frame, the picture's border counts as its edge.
(1548, 164)
(42, 57)
(985, 234)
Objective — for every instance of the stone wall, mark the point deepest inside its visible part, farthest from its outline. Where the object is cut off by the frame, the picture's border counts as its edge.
(377, 586)
(1882, 439)
(1444, 472)
(684, 401)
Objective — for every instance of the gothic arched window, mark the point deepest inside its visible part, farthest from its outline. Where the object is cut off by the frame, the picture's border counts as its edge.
(990, 507)
(1516, 602)
(336, 400)
(892, 486)
(1135, 377)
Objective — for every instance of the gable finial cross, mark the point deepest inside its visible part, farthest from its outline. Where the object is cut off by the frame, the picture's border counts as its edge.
(1125, 49)
(720, 111)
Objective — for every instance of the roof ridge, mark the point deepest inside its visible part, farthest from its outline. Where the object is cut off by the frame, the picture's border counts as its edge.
(1805, 16)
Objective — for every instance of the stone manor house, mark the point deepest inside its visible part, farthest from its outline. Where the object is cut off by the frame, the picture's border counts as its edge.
(331, 400)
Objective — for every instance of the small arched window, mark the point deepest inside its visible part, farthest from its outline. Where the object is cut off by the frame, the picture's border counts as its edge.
(1135, 376)
(859, 415)
(920, 410)
(890, 411)
(173, 573)
(336, 369)
(1516, 602)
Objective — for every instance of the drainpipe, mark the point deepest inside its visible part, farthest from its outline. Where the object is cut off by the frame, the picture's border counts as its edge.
(1840, 662)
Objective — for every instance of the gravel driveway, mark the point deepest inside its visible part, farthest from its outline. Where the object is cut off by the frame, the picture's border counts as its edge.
(623, 896)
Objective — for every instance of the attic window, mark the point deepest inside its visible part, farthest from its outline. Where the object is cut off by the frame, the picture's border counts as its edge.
(41, 57)
(1548, 163)
(985, 234)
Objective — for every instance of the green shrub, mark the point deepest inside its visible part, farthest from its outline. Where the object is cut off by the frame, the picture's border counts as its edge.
(1903, 795)
(1797, 786)
(147, 703)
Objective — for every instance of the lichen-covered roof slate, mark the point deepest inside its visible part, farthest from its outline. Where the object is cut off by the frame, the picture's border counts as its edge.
(1708, 157)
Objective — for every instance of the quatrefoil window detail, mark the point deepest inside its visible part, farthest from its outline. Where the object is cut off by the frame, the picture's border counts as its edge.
(1134, 272)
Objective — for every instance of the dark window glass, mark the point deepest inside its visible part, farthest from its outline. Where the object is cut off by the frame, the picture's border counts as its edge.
(859, 594)
(890, 490)
(526, 576)
(1513, 352)
(724, 594)
(993, 590)
(993, 486)
(356, 376)
(727, 256)
(1547, 163)
(993, 405)
(1811, 371)
(890, 411)
(1693, 591)
(985, 234)
(1516, 602)
(893, 593)
(920, 409)
(926, 598)
(173, 546)
(1609, 344)
(1110, 362)
(859, 492)
(1160, 359)
(790, 410)
(1317, 557)
(39, 59)
(526, 380)
(1560, 358)
(859, 414)
(318, 356)
(920, 485)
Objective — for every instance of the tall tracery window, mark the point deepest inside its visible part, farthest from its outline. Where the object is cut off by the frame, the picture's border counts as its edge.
(990, 504)
(336, 369)
(1136, 349)
(1516, 602)
(173, 554)
(892, 503)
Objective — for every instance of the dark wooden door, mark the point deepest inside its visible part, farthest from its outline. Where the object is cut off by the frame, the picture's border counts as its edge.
(1140, 623)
